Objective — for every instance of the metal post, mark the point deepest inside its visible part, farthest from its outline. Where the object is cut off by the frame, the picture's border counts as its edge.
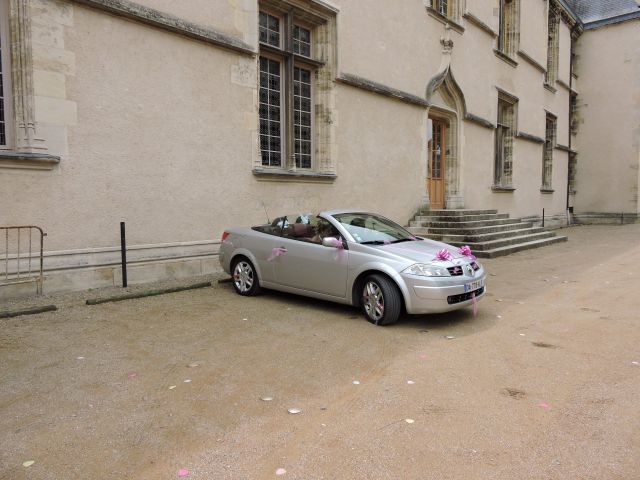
(543, 218)
(123, 250)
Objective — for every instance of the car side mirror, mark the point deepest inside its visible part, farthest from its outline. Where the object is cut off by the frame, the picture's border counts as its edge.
(331, 242)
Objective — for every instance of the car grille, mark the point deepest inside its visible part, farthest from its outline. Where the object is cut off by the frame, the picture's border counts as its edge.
(463, 297)
(455, 271)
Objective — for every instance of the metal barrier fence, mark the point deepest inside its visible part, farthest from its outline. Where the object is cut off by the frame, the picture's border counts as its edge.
(21, 256)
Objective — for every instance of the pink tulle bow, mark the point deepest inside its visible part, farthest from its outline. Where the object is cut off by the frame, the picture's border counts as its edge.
(336, 242)
(443, 255)
(466, 251)
(276, 252)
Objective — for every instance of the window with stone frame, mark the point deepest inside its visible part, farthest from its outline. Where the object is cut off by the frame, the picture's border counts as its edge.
(447, 8)
(553, 50)
(505, 133)
(6, 133)
(573, 168)
(509, 34)
(287, 87)
(547, 156)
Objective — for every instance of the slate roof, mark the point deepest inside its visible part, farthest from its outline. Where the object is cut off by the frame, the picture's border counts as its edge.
(597, 10)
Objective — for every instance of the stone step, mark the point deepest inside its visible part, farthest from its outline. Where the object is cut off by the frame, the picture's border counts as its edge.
(464, 225)
(459, 218)
(501, 251)
(504, 242)
(475, 231)
(485, 237)
(426, 211)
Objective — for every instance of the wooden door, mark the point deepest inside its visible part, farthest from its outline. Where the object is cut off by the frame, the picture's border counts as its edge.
(437, 163)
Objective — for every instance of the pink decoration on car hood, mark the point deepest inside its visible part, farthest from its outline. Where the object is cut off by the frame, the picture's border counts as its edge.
(443, 255)
(466, 251)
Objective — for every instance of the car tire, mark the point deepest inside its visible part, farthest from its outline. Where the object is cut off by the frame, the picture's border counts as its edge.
(380, 300)
(244, 277)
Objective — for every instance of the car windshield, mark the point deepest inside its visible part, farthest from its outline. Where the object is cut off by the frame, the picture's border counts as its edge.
(366, 228)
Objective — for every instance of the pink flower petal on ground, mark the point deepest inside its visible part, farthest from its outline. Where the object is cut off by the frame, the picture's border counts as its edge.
(132, 374)
(281, 471)
(423, 356)
(183, 472)
(544, 405)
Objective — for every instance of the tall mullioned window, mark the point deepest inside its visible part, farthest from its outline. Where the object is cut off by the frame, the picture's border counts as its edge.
(505, 133)
(509, 35)
(553, 45)
(547, 158)
(287, 70)
(5, 77)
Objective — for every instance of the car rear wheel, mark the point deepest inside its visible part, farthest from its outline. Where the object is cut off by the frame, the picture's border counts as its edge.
(380, 300)
(245, 278)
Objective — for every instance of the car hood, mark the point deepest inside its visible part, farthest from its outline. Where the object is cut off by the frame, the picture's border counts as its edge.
(420, 251)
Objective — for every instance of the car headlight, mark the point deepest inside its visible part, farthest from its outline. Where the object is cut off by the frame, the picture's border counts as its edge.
(426, 270)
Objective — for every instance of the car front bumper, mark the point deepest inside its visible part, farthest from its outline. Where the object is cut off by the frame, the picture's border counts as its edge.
(442, 294)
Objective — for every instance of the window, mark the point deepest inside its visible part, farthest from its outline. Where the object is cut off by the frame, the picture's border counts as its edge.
(287, 72)
(505, 132)
(5, 78)
(509, 35)
(573, 167)
(441, 6)
(549, 145)
(552, 46)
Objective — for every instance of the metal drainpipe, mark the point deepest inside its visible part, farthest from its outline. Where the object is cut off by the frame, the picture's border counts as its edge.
(571, 52)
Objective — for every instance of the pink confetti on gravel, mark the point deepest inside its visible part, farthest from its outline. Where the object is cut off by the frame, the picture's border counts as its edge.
(183, 472)
(132, 375)
(280, 471)
(544, 405)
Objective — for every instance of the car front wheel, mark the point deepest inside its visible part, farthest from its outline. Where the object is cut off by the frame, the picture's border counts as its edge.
(380, 300)
(245, 278)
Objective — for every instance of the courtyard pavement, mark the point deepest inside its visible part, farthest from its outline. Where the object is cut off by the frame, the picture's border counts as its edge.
(544, 383)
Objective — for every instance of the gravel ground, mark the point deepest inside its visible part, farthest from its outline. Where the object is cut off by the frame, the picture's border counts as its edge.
(542, 384)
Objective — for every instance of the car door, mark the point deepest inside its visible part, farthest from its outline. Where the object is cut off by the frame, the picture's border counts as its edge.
(308, 265)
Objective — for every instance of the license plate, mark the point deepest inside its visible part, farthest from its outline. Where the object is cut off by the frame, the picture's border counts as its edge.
(470, 287)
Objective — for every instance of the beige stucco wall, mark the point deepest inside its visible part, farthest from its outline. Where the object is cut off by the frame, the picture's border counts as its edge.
(164, 135)
(608, 138)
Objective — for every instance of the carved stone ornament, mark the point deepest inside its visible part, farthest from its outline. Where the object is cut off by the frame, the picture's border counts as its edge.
(22, 76)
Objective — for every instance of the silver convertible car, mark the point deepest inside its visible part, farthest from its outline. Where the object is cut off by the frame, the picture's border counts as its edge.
(355, 258)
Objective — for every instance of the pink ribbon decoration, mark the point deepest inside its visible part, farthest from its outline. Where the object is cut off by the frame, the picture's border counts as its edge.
(443, 255)
(475, 303)
(276, 252)
(466, 251)
(337, 243)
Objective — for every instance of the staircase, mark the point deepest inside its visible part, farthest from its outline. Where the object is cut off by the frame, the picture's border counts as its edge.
(488, 233)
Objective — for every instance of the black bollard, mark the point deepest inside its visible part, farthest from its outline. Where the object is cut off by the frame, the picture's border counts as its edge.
(123, 250)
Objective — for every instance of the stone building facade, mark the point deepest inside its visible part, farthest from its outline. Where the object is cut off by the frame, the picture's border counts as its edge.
(183, 118)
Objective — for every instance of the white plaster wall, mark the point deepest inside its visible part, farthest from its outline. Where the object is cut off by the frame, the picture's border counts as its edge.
(564, 59)
(383, 161)
(233, 17)
(488, 11)
(608, 139)
(533, 29)
(159, 130)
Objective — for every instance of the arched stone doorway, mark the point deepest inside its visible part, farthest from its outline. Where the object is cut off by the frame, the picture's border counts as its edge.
(446, 110)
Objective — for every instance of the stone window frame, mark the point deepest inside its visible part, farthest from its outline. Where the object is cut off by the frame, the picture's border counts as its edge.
(550, 137)
(24, 149)
(553, 45)
(506, 128)
(6, 99)
(509, 41)
(321, 20)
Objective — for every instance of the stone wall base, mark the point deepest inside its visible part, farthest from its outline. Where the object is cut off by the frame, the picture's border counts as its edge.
(68, 271)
